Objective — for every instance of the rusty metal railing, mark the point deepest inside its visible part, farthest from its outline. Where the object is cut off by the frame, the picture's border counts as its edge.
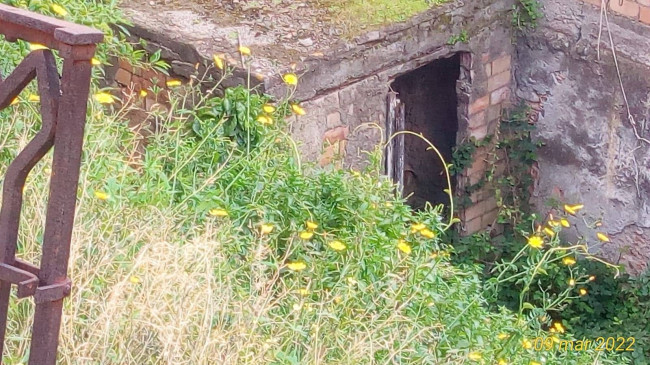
(63, 111)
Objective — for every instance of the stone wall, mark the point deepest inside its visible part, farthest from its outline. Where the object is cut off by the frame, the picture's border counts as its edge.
(344, 88)
(594, 153)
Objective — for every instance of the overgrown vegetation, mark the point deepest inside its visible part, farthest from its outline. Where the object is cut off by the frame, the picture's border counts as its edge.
(359, 15)
(218, 245)
(597, 303)
(526, 13)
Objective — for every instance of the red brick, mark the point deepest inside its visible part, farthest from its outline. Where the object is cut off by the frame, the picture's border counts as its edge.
(488, 69)
(629, 8)
(643, 3)
(490, 217)
(336, 134)
(479, 133)
(499, 95)
(479, 105)
(125, 65)
(479, 209)
(477, 120)
(501, 64)
(123, 77)
(494, 112)
(473, 226)
(644, 15)
(498, 80)
(480, 195)
(478, 166)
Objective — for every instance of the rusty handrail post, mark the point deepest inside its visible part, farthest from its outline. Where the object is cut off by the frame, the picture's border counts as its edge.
(63, 110)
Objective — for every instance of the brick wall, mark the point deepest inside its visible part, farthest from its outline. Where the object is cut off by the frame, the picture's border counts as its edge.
(635, 9)
(484, 113)
(137, 84)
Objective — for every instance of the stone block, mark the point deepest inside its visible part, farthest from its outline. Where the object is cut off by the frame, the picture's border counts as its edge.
(628, 8)
(498, 80)
(501, 64)
(644, 15)
(643, 3)
(333, 120)
(499, 95)
(479, 104)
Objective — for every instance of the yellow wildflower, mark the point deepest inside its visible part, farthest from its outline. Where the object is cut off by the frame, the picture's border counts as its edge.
(34, 98)
(502, 336)
(36, 46)
(298, 109)
(173, 83)
(568, 261)
(245, 51)
(264, 120)
(218, 212)
(549, 231)
(311, 225)
(535, 242)
(417, 227)
(565, 223)
(553, 223)
(95, 62)
(143, 93)
(502, 362)
(582, 291)
(404, 247)
(337, 245)
(573, 209)
(218, 61)
(527, 344)
(304, 292)
(559, 327)
(427, 233)
(297, 266)
(101, 195)
(59, 10)
(134, 279)
(305, 235)
(533, 362)
(268, 108)
(474, 356)
(338, 299)
(290, 79)
(602, 237)
(592, 278)
(14, 101)
(572, 282)
(104, 98)
(266, 228)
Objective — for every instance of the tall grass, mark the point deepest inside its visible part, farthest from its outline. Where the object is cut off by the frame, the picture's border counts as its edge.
(160, 278)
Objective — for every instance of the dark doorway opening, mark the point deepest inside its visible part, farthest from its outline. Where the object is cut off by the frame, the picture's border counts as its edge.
(424, 101)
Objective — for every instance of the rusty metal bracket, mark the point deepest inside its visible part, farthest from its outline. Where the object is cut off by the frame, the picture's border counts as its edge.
(63, 111)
